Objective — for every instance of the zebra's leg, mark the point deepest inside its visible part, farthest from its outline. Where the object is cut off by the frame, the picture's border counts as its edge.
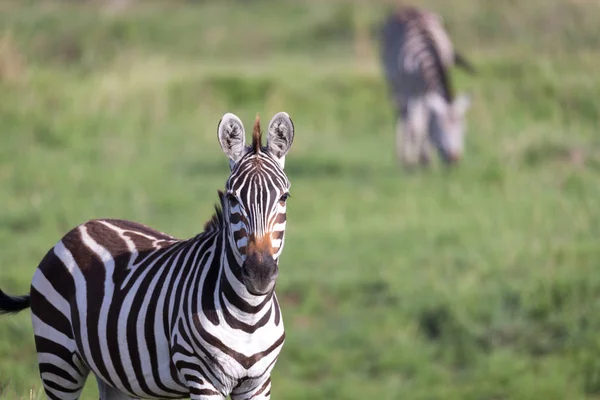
(198, 386)
(414, 130)
(424, 156)
(107, 392)
(424, 152)
(406, 148)
(62, 372)
(202, 390)
(260, 391)
(404, 135)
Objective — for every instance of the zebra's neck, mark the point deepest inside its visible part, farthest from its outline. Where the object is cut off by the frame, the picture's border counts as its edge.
(234, 298)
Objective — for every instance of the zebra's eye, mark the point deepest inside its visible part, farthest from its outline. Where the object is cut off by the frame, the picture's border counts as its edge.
(232, 199)
(284, 198)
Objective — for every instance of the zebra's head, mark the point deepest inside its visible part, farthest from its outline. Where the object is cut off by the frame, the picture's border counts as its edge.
(448, 126)
(256, 193)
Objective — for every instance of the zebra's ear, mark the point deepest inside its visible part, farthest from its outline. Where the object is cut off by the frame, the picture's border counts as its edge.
(232, 137)
(280, 136)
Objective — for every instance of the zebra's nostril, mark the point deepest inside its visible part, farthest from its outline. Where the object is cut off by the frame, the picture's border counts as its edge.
(245, 275)
(259, 273)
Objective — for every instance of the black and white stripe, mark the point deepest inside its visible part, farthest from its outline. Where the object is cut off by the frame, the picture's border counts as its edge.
(417, 53)
(154, 317)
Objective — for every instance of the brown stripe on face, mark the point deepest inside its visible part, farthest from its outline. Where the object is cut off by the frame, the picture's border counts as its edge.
(259, 245)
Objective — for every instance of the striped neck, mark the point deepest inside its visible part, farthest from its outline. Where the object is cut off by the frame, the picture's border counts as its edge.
(231, 276)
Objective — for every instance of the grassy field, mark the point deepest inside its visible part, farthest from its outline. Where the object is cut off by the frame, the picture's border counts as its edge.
(476, 283)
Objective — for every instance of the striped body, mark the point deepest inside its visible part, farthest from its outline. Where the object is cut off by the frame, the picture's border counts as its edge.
(185, 294)
(155, 317)
(416, 54)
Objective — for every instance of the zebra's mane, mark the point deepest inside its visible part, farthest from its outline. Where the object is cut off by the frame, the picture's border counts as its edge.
(256, 135)
(216, 222)
(443, 73)
(411, 13)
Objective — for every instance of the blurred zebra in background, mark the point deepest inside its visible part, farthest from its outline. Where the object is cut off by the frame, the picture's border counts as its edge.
(417, 53)
(155, 317)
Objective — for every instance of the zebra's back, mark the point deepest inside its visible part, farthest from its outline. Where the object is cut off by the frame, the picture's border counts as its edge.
(416, 53)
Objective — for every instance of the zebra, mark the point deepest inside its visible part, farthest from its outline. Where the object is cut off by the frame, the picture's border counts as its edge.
(152, 316)
(416, 54)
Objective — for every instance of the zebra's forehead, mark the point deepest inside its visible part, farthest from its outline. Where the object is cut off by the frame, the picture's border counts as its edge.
(257, 170)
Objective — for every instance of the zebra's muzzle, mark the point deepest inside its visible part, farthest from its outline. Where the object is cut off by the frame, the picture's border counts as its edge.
(259, 273)
(451, 158)
(454, 158)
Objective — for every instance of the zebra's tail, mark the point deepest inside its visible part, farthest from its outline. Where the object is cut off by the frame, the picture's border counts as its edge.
(12, 304)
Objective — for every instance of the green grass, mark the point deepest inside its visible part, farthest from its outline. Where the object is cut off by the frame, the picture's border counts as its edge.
(476, 283)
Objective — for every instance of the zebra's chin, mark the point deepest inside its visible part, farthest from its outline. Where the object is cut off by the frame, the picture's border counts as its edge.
(258, 285)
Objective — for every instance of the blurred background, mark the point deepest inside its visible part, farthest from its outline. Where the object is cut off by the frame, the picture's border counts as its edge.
(479, 282)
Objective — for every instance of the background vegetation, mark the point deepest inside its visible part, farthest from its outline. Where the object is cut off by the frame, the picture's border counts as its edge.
(476, 283)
